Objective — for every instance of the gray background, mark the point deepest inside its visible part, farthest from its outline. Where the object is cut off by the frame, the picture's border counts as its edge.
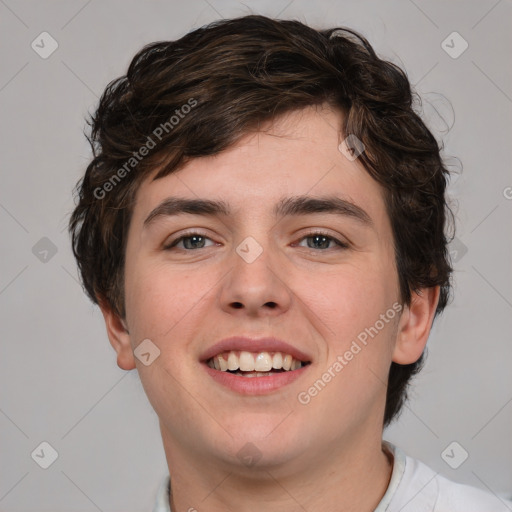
(59, 381)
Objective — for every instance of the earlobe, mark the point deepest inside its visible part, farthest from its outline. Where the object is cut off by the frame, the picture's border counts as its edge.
(118, 336)
(415, 324)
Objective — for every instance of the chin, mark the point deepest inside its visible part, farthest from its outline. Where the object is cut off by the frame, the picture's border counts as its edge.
(265, 444)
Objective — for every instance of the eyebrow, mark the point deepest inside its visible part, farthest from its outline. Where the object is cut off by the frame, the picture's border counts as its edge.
(296, 205)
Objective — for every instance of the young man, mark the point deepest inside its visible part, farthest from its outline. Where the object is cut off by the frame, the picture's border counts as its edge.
(263, 227)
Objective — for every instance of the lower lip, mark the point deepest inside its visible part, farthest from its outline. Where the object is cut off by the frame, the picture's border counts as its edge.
(255, 385)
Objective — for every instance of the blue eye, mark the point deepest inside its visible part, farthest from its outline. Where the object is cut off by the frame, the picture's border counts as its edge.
(191, 241)
(322, 241)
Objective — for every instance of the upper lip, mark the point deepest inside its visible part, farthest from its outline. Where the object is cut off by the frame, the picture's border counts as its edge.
(255, 345)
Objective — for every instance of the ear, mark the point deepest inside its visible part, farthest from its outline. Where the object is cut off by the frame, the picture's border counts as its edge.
(119, 336)
(415, 324)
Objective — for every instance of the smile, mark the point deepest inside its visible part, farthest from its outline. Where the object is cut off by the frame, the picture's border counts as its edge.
(254, 366)
(248, 364)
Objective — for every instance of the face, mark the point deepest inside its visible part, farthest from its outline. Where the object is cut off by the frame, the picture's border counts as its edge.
(258, 281)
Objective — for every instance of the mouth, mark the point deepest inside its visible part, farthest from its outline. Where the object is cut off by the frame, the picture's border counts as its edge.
(254, 366)
(248, 364)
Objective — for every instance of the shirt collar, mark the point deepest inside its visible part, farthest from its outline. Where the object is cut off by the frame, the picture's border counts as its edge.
(399, 460)
(162, 498)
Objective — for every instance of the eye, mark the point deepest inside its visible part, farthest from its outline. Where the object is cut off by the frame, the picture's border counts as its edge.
(196, 240)
(322, 240)
(191, 241)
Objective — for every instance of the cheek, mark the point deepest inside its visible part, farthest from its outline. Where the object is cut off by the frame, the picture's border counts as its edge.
(358, 325)
(158, 298)
(347, 299)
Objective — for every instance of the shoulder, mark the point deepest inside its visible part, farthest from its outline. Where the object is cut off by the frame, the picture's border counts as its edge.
(454, 497)
(424, 489)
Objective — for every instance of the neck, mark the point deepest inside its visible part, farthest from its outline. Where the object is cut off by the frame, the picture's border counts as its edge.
(354, 478)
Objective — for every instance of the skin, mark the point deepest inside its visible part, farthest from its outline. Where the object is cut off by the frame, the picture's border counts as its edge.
(325, 455)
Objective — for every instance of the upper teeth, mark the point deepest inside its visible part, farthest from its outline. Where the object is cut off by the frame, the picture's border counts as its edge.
(250, 362)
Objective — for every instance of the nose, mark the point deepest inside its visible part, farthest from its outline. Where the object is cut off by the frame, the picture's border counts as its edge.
(255, 287)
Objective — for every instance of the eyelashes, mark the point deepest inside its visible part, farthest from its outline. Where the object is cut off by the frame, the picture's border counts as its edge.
(323, 237)
(188, 236)
(196, 237)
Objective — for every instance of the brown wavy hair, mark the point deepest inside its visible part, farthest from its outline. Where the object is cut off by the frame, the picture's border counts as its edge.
(200, 94)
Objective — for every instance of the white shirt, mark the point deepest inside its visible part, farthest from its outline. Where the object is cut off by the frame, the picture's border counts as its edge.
(413, 487)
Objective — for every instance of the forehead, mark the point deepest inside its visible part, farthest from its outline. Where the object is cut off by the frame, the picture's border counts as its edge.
(297, 154)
